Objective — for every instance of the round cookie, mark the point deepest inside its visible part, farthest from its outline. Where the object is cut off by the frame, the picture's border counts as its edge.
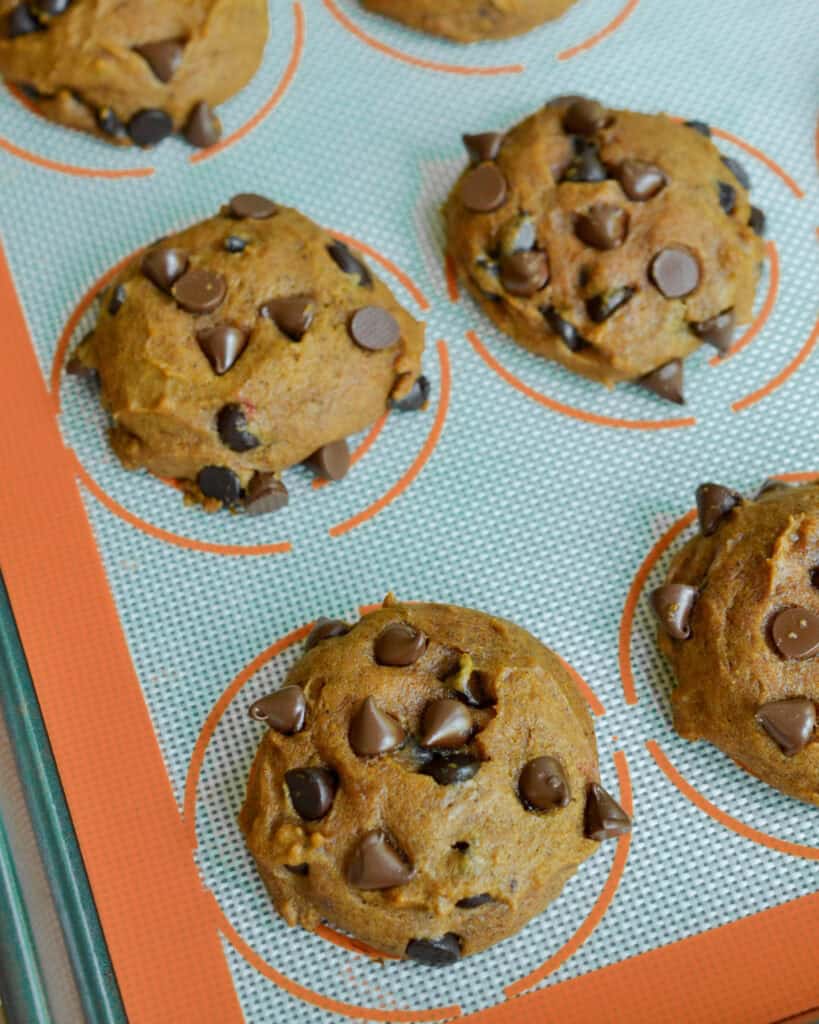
(134, 72)
(428, 782)
(243, 345)
(469, 21)
(613, 242)
(739, 621)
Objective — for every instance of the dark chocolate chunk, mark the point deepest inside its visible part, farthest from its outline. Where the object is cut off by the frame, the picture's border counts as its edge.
(312, 791)
(222, 345)
(675, 272)
(790, 723)
(727, 196)
(331, 461)
(604, 226)
(324, 629)
(795, 632)
(445, 725)
(484, 146)
(298, 869)
(640, 180)
(349, 263)
(585, 117)
(265, 493)
(109, 123)
(666, 381)
(163, 57)
(470, 902)
(717, 330)
(235, 244)
(586, 165)
(372, 732)
(672, 605)
(399, 645)
(756, 221)
(116, 299)
(699, 126)
(284, 711)
(248, 205)
(220, 483)
(75, 367)
(483, 189)
(200, 290)
(435, 952)
(376, 864)
(449, 771)
(601, 307)
(542, 785)
(374, 328)
(568, 333)
(149, 127)
(415, 399)
(292, 316)
(714, 502)
(202, 129)
(738, 171)
(164, 267)
(50, 8)
(231, 423)
(21, 22)
(604, 817)
(524, 273)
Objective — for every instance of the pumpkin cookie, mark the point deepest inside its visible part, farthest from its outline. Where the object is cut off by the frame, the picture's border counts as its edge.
(469, 21)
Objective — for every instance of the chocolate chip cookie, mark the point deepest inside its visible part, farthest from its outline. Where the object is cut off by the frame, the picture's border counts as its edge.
(427, 782)
(739, 622)
(613, 242)
(469, 21)
(243, 345)
(135, 72)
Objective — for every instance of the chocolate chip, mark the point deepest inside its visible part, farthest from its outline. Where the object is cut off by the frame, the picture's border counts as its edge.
(585, 117)
(484, 146)
(714, 502)
(524, 273)
(292, 316)
(284, 711)
(568, 333)
(814, 573)
(699, 126)
(675, 272)
(471, 687)
(374, 328)
(149, 127)
(738, 171)
(222, 345)
(117, 299)
(445, 725)
(399, 645)
(600, 307)
(21, 22)
(312, 791)
(604, 817)
(331, 461)
(483, 189)
(324, 629)
(435, 952)
(640, 180)
(372, 732)
(727, 196)
(790, 723)
(795, 632)
(234, 244)
(231, 423)
(75, 367)
(265, 493)
(349, 263)
(376, 864)
(164, 267)
(415, 399)
(756, 221)
(449, 771)
(666, 381)
(200, 290)
(248, 205)
(298, 869)
(30, 91)
(542, 785)
(470, 902)
(605, 226)
(586, 165)
(202, 129)
(717, 330)
(220, 483)
(672, 605)
(163, 57)
(109, 123)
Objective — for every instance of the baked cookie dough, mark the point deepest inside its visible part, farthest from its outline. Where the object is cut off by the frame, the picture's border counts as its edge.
(469, 21)
(615, 243)
(243, 345)
(739, 621)
(133, 72)
(428, 782)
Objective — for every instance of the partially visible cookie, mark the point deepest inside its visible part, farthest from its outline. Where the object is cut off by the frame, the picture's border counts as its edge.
(739, 621)
(428, 782)
(133, 72)
(243, 345)
(613, 242)
(469, 21)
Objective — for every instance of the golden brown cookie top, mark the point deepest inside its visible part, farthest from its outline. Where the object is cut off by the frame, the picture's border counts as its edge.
(468, 21)
(625, 237)
(739, 620)
(421, 764)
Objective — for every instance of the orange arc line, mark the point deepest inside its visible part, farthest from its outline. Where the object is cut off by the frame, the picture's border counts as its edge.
(387, 264)
(77, 172)
(763, 157)
(172, 538)
(603, 901)
(275, 99)
(352, 945)
(634, 592)
(591, 697)
(363, 448)
(568, 410)
(417, 465)
(764, 313)
(407, 58)
(24, 101)
(741, 829)
(451, 279)
(782, 376)
(612, 26)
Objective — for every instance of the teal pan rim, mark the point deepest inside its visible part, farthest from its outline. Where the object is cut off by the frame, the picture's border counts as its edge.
(59, 850)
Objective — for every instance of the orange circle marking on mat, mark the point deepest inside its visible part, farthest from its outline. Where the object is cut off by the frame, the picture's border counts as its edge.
(361, 450)
(762, 317)
(777, 381)
(598, 37)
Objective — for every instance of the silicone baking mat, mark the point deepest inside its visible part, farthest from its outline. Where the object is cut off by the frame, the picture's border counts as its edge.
(149, 628)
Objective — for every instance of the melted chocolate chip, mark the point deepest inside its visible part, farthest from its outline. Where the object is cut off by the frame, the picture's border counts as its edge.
(795, 632)
(666, 381)
(265, 493)
(376, 864)
(331, 461)
(284, 711)
(249, 206)
(717, 330)
(164, 267)
(234, 244)
(451, 770)
(312, 791)
(292, 316)
(640, 180)
(586, 165)
(202, 129)
(524, 273)
(738, 171)
(700, 127)
(756, 221)
(445, 725)
(200, 290)
(349, 263)
(231, 423)
(790, 723)
(542, 785)
(163, 57)
(435, 952)
(484, 146)
(324, 629)
(374, 328)
(220, 483)
(585, 117)
(604, 817)
(568, 333)
(675, 272)
(672, 605)
(604, 226)
(117, 299)
(372, 732)
(150, 127)
(727, 196)
(483, 189)
(21, 22)
(399, 645)
(415, 399)
(601, 307)
(471, 902)
(222, 345)
(714, 503)
(109, 123)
